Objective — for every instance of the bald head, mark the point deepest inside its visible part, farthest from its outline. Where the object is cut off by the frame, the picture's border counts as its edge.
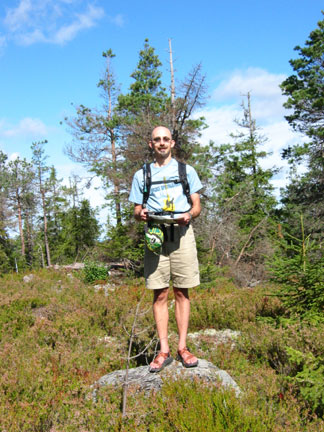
(161, 130)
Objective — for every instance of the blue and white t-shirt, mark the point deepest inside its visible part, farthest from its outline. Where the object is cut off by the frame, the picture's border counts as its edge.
(168, 196)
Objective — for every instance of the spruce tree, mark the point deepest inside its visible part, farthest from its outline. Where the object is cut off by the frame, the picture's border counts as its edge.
(56, 206)
(80, 231)
(241, 204)
(305, 92)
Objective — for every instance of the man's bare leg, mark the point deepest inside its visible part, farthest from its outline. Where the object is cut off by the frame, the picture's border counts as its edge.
(182, 312)
(161, 316)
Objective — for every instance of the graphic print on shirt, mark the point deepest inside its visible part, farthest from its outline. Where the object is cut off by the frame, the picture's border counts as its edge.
(168, 202)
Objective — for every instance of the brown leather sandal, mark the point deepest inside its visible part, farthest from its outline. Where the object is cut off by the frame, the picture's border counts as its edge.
(167, 359)
(189, 357)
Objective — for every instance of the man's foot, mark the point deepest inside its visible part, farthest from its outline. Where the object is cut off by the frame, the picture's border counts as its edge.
(160, 361)
(187, 359)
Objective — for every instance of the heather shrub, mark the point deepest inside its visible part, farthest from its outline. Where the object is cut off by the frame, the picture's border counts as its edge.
(59, 336)
(263, 342)
(186, 406)
(296, 352)
(221, 306)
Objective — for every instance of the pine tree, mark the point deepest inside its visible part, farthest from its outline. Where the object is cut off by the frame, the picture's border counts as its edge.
(97, 139)
(20, 186)
(30, 226)
(42, 169)
(142, 108)
(6, 261)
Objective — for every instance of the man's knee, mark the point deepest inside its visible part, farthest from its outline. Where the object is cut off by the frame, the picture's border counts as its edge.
(160, 295)
(181, 293)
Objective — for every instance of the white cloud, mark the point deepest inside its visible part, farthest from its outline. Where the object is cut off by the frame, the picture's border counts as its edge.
(27, 126)
(118, 20)
(13, 156)
(19, 16)
(259, 81)
(83, 21)
(267, 99)
(266, 108)
(3, 41)
(30, 38)
(50, 21)
(221, 123)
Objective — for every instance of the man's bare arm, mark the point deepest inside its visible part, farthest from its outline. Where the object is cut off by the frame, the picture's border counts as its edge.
(193, 212)
(196, 207)
(140, 213)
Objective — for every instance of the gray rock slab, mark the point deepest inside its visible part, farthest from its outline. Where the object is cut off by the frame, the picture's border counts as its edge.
(28, 278)
(141, 377)
(106, 288)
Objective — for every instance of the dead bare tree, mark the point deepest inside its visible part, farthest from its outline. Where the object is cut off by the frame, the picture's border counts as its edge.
(254, 229)
(172, 87)
(191, 96)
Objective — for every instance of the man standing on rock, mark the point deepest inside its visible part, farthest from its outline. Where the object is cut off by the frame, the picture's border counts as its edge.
(163, 195)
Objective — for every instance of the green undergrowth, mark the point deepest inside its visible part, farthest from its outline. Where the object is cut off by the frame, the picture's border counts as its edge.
(59, 335)
(93, 272)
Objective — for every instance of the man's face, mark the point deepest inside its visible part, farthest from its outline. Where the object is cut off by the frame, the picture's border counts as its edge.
(161, 142)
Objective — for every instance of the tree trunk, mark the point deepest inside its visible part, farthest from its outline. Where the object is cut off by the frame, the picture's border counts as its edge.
(252, 129)
(21, 232)
(48, 256)
(115, 180)
(30, 246)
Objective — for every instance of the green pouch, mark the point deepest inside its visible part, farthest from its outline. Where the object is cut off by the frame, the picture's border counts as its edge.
(154, 238)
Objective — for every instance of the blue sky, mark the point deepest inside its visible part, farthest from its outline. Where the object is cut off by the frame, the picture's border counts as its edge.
(51, 56)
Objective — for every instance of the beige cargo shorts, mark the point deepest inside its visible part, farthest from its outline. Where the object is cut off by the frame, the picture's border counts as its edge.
(177, 261)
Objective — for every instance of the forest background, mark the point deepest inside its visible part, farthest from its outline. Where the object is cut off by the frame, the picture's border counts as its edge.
(243, 212)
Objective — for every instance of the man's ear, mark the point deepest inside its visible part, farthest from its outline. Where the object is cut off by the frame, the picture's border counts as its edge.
(172, 143)
(150, 145)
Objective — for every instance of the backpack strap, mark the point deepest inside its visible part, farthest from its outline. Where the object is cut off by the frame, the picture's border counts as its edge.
(182, 170)
(184, 180)
(147, 182)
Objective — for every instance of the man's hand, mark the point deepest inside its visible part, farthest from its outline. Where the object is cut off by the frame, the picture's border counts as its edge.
(144, 214)
(140, 213)
(185, 219)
